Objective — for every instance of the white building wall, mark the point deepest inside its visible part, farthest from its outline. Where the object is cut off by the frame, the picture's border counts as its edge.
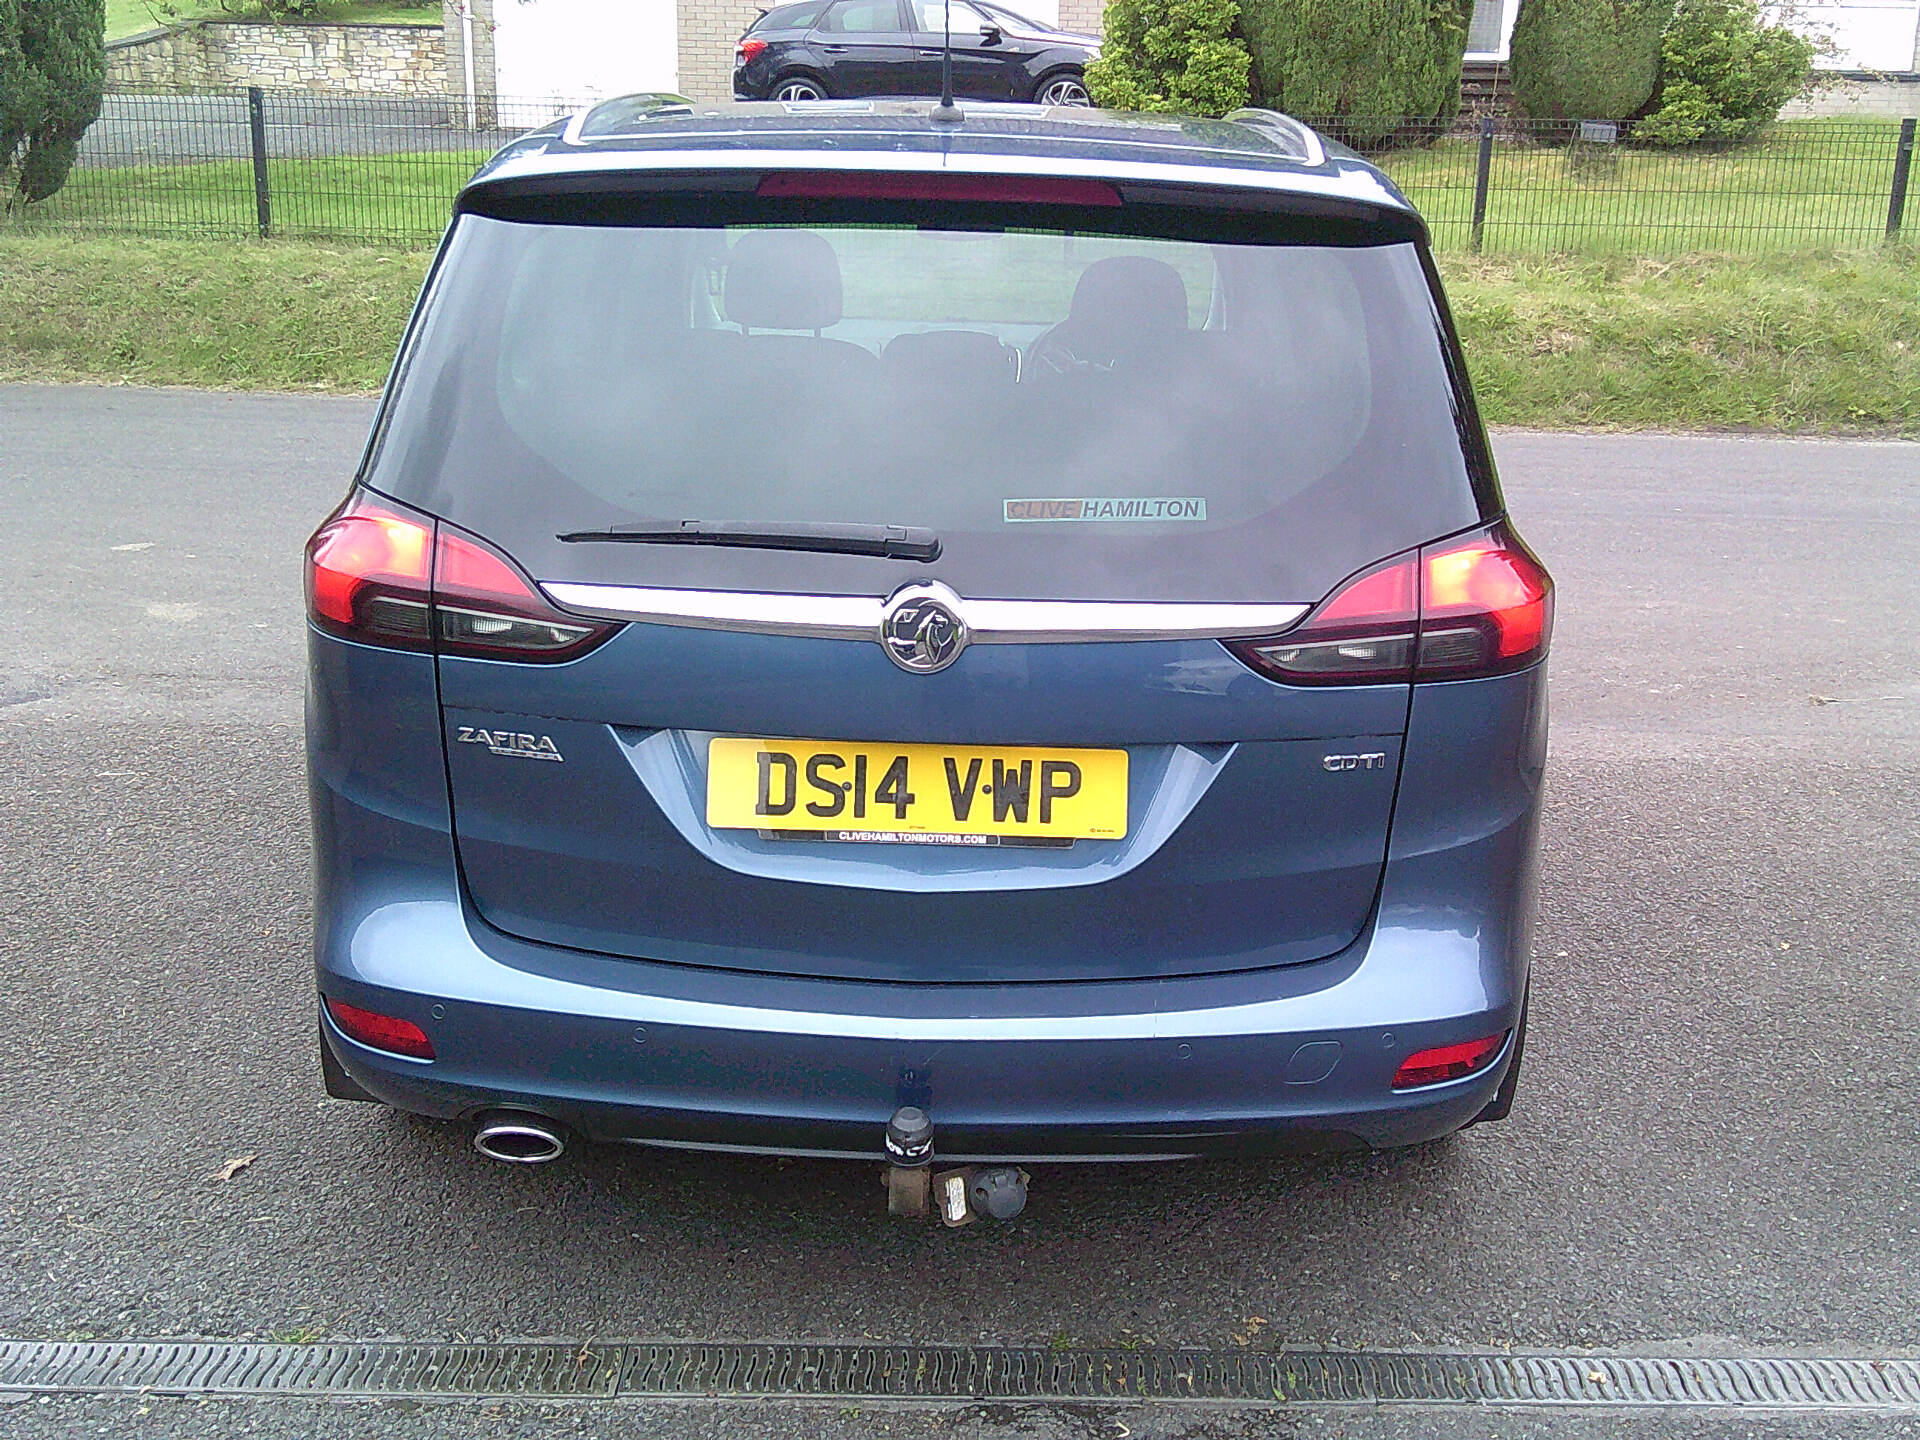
(1858, 34)
(571, 50)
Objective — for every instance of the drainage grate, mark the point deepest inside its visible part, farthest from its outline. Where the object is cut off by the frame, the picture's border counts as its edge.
(933, 1372)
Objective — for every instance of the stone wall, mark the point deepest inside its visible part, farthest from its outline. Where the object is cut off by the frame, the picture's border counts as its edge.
(221, 55)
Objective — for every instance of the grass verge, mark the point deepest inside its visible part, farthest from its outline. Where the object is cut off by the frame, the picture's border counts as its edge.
(1822, 343)
(279, 316)
(1811, 344)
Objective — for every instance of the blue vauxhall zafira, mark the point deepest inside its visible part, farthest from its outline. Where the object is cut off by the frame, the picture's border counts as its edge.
(871, 630)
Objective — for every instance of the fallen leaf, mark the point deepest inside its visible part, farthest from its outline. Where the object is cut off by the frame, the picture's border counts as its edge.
(1595, 1377)
(233, 1167)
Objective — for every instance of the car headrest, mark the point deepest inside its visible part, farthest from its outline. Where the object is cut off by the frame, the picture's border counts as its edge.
(953, 355)
(783, 280)
(1128, 297)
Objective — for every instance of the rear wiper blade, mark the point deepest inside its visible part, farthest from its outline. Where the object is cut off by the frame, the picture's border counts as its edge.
(890, 542)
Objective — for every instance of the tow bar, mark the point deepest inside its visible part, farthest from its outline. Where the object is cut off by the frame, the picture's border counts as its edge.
(964, 1194)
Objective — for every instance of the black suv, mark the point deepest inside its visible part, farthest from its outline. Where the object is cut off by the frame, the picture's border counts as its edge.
(839, 49)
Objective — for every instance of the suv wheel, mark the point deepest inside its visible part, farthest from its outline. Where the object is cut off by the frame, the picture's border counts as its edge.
(798, 87)
(1063, 87)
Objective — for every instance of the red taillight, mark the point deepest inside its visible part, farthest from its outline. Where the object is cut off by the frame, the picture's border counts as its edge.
(887, 185)
(1446, 1062)
(370, 575)
(483, 606)
(1484, 606)
(1362, 634)
(383, 575)
(746, 50)
(381, 1032)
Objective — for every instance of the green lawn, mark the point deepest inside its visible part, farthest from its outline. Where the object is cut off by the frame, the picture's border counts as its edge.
(390, 199)
(1818, 343)
(1806, 185)
(130, 17)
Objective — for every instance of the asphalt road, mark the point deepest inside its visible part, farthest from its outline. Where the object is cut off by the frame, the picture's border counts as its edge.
(1717, 1146)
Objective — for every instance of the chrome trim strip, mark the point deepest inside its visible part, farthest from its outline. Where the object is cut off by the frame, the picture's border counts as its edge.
(990, 622)
(823, 617)
(1040, 622)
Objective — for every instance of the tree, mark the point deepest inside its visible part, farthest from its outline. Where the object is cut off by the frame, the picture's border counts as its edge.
(53, 68)
(1587, 59)
(1724, 73)
(1369, 68)
(1176, 55)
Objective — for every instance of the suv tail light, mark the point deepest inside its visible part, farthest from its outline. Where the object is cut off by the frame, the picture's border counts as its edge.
(383, 575)
(747, 50)
(1473, 606)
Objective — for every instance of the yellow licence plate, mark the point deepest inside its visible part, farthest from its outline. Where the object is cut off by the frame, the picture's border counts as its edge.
(828, 787)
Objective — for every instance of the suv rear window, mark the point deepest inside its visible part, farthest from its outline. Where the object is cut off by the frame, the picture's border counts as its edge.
(1076, 415)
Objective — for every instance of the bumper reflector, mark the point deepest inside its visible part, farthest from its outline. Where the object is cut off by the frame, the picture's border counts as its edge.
(381, 1032)
(1447, 1062)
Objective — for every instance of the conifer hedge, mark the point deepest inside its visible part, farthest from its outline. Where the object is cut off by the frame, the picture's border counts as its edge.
(1370, 68)
(1586, 59)
(53, 67)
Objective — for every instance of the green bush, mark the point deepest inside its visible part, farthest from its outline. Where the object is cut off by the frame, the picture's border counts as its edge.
(1587, 59)
(53, 67)
(1368, 68)
(1724, 73)
(1176, 55)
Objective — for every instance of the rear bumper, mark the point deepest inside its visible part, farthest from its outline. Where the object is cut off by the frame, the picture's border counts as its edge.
(1296, 1058)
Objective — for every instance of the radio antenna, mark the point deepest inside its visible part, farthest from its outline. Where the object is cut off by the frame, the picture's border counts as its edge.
(946, 112)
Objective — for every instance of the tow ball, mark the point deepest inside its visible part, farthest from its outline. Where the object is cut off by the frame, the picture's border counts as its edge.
(959, 1196)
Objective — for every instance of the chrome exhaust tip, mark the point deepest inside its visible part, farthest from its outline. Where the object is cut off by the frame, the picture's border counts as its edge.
(518, 1137)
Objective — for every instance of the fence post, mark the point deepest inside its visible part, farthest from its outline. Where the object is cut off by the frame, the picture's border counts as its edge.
(1902, 167)
(257, 123)
(1481, 175)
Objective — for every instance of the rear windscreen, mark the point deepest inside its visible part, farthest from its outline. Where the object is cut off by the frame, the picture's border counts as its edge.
(1075, 416)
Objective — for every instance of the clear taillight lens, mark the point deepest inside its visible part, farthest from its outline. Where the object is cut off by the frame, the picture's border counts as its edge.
(1362, 634)
(383, 575)
(1472, 606)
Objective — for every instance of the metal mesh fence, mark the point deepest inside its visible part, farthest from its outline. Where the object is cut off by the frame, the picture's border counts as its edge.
(1517, 187)
(384, 170)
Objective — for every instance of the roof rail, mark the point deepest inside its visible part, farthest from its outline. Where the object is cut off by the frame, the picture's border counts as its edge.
(647, 105)
(1297, 134)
